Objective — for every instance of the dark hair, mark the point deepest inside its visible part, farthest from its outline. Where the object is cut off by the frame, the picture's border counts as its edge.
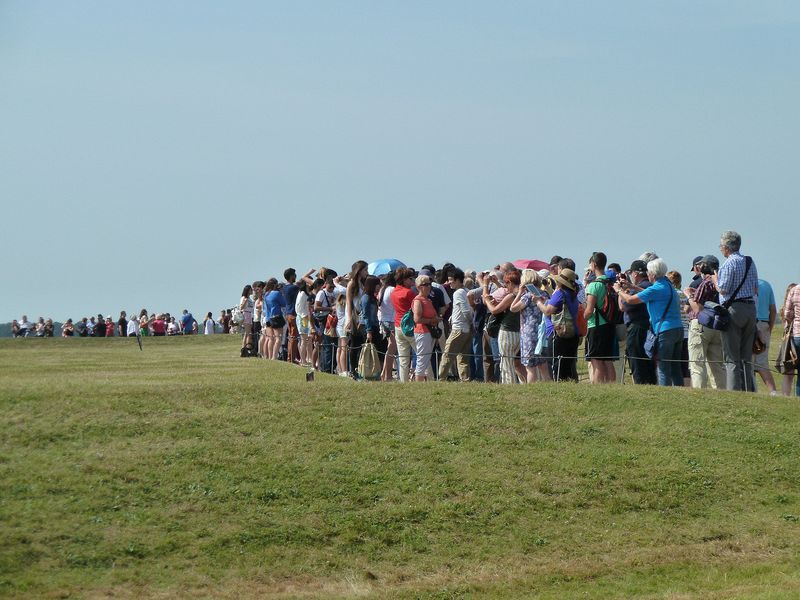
(289, 273)
(402, 274)
(456, 274)
(271, 284)
(556, 260)
(566, 263)
(318, 283)
(247, 289)
(430, 268)
(616, 267)
(390, 279)
(371, 284)
(302, 286)
(599, 259)
(357, 267)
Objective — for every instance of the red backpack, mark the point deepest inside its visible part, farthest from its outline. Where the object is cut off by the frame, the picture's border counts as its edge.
(610, 310)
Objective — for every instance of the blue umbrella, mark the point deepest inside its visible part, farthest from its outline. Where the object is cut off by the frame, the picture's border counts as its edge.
(383, 266)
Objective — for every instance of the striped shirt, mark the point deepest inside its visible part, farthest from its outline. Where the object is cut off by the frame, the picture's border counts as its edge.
(791, 312)
(731, 274)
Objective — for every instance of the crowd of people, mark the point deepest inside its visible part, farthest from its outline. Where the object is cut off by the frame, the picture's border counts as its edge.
(522, 325)
(147, 324)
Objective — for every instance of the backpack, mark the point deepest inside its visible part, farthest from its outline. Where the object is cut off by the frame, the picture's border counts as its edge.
(407, 323)
(610, 310)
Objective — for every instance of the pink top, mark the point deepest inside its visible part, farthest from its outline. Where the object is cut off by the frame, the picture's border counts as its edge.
(791, 312)
(428, 312)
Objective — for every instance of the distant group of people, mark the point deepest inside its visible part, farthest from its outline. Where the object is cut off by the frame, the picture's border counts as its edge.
(24, 328)
(523, 325)
(147, 324)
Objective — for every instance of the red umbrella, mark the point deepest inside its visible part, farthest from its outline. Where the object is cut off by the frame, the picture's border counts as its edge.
(536, 265)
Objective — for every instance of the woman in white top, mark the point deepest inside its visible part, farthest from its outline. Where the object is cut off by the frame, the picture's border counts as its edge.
(386, 314)
(303, 322)
(246, 306)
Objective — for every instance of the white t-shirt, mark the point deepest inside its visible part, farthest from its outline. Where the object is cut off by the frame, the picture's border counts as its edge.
(326, 299)
(208, 327)
(133, 327)
(461, 319)
(386, 310)
(301, 304)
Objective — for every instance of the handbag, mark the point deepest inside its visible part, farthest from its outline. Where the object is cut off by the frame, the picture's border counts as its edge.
(651, 341)
(563, 323)
(436, 332)
(330, 325)
(714, 316)
(493, 324)
(369, 362)
(787, 361)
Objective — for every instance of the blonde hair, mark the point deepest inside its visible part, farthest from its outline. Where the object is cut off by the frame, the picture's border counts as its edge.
(422, 280)
(675, 279)
(530, 276)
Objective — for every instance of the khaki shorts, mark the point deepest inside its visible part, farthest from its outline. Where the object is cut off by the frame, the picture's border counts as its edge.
(761, 361)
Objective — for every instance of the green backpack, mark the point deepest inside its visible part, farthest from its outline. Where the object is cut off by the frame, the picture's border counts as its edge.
(407, 323)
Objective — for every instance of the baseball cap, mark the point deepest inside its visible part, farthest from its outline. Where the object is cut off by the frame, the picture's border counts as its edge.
(638, 266)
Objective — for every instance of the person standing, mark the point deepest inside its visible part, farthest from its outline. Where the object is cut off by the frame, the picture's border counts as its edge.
(663, 307)
(458, 343)
(790, 315)
(565, 349)
(766, 315)
(705, 344)
(122, 324)
(132, 327)
(425, 317)
(100, 327)
(324, 306)
(290, 291)
(600, 335)
(402, 298)
(188, 323)
(737, 283)
(208, 324)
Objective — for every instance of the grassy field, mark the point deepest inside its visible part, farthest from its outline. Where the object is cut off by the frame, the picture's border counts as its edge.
(185, 471)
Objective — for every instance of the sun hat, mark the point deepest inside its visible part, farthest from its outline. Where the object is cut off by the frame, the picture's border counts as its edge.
(567, 278)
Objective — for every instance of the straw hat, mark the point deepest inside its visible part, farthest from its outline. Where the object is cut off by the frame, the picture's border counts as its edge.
(567, 278)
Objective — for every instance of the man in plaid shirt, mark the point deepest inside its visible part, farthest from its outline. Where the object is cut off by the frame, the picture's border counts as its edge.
(737, 340)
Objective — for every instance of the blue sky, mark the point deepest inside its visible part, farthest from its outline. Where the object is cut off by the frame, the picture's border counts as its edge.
(160, 155)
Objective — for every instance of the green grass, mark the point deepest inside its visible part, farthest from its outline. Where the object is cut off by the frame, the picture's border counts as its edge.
(186, 471)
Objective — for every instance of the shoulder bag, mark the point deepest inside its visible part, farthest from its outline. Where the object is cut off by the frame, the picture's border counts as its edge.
(651, 341)
(717, 316)
(787, 361)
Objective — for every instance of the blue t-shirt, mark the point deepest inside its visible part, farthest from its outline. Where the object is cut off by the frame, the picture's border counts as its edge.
(766, 298)
(273, 302)
(290, 294)
(186, 322)
(558, 299)
(657, 296)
